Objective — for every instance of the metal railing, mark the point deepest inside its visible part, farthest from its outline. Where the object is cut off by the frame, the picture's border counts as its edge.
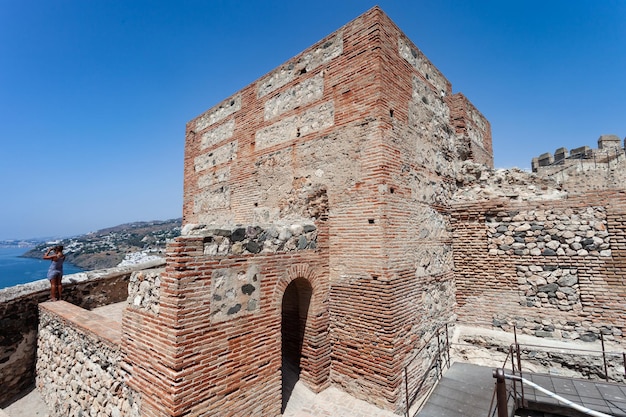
(502, 395)
(439, 360)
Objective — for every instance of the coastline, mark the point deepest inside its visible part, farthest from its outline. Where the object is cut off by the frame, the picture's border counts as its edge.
(16, 269)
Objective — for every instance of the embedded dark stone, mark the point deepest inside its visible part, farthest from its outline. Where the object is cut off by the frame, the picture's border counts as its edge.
(308, 228)
(498, 322)
(253, 247)
(549, 288)
(548, 252)
(238, 235)
(519, 252)
(536, 227)
(567, 280)
(588, 337)
(605, 330)
(248, 289)
(234, 309)
(217, 297)
(541, 333)
(302, 243)
(550, 267)
(220, 232)
(253, 231)
(502, 229)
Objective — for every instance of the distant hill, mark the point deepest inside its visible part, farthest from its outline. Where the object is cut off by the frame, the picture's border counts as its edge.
(108, 247)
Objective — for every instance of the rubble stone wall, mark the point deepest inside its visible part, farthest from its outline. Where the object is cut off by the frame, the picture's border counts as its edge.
(550, 268)
(80, 367)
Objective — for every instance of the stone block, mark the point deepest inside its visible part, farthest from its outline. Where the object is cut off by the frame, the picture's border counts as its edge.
(609, 142)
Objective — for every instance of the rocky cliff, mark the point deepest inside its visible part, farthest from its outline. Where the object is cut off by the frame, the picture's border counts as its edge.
(108, 247)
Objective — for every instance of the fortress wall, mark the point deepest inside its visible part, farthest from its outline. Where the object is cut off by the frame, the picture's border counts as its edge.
(80, 364)
(588, 174)
(273, 143)
(213, 347)
(550, 268)
(19, 319)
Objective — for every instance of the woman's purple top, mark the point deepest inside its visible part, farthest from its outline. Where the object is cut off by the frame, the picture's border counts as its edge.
(56, 268)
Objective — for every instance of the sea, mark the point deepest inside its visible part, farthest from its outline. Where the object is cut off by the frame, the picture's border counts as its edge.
(15, 270)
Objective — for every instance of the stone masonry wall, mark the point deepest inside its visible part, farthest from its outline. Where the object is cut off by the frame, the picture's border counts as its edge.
(550, 268)
(80, 368)
(19, 318)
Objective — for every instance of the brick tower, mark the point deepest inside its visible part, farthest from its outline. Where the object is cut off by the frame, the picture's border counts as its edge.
(316, 240)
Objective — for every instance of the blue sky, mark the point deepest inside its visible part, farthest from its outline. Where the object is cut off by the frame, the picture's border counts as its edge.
(94, 95)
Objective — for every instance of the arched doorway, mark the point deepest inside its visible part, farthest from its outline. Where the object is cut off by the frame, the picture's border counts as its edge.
(295, 309)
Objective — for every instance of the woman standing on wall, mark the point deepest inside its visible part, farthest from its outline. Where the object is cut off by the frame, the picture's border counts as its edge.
(55, 272)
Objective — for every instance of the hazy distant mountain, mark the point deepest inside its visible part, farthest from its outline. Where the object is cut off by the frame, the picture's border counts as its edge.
(108, 247)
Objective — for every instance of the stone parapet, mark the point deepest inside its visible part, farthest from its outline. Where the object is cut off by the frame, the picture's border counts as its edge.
(80, 363)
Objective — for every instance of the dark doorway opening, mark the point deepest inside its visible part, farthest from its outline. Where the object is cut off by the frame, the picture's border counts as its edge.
(295, 308)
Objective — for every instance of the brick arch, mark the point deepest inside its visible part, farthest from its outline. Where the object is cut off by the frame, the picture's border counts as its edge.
(315, 364)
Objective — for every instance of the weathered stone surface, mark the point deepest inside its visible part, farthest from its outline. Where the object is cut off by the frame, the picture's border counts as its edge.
(144, 290)
(86, 366)
(236, 291)
(219, 112)
(549, 233)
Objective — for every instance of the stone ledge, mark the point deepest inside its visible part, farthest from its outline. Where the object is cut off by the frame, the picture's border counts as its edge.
(93, 323)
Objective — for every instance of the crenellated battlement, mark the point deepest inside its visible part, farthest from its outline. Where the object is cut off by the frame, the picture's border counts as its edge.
(609, 149)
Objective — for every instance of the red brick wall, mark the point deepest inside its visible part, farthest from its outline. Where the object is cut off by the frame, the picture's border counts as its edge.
(186, 363)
